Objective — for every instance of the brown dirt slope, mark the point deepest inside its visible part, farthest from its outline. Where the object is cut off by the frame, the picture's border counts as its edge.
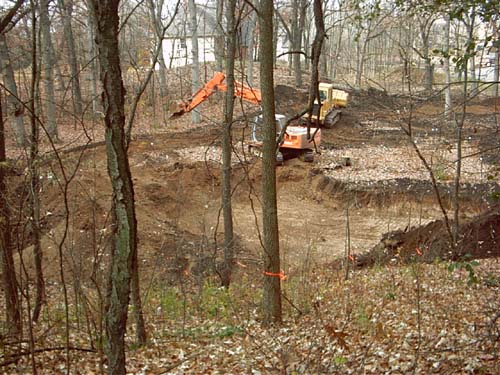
(480, 239)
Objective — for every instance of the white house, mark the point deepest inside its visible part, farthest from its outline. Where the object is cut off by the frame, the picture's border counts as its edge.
(177, 51)
(177, 44)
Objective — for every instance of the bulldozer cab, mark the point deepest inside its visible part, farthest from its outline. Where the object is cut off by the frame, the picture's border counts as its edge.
(324, 91)
(327, 112)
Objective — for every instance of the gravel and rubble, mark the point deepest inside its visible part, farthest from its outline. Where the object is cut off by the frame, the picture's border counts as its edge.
(379, 162)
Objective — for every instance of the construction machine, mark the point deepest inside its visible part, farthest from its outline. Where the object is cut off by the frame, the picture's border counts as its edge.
(295, 141)
(327, 111)
(211, 87)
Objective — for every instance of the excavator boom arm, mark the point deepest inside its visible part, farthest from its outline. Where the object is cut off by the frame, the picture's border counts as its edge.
(215, 84)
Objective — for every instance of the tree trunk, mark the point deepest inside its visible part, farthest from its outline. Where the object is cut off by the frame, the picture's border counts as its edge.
(156, 20)
(227, 266)
(219, 36)
(34, 174)
(275, 39)
(271, 299)
(250, 46)
(67, 12)
(125, 231)
(193, 26)
(47, 51)
(336, 54)
(428, 74)
(17, 108)
(94, 72)
(296, 42)
(307, 38)
(470, 24)
(9, 282)
(496, 75)
(301, 28)
(316, 50)
(447, 73)
(137, 311)
(425, 29)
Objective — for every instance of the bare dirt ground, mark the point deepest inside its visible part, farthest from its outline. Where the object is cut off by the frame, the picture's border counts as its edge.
(176, 174)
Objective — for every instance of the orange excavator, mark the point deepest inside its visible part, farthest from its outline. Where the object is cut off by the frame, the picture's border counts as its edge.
(295, 142)
(215, 84)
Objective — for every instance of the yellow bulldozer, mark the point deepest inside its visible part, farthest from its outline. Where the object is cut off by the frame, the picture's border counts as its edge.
(328, 111)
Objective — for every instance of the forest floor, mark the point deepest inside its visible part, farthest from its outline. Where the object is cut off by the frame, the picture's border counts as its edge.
(402, 317)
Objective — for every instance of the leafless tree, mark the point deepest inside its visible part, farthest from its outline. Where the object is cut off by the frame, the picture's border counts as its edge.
(124, 248)
(66, 7)
(47, 51)
(195, 72)
(271, 300)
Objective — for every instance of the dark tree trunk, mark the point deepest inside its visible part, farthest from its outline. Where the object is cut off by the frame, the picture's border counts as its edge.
(125, 231)
(250, 46)
(47, 51)
(227, 210)
(219, 36)
(447, 72)
(94, 70)
(271, 299)
(67, 12)
(425, 26)
(15, 104)
(296, 38)
(137, 311)
(155, 12)
(9, 282)
(298, 33)
(193, 27)
(34, 175)
(317, 47)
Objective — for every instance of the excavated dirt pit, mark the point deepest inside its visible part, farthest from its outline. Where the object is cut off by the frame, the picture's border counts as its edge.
(323, 206)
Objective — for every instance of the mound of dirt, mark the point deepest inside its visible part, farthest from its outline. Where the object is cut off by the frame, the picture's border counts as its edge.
(480, 239)
(289, 99)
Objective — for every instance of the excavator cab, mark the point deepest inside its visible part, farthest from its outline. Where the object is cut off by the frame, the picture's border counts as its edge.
(295, 143)
(258, 123)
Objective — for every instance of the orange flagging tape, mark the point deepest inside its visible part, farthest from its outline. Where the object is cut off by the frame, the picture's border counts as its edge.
(281, 275)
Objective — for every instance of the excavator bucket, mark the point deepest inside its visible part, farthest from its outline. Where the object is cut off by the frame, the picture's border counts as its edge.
(177, 109)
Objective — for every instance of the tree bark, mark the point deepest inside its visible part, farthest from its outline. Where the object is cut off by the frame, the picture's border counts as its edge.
(219, 36)
(447, 72)
(48, 60)
(67, 12)
(156, 20)
(34, 175)
(16, 107)
(94, 70)
(137, 310)
(9, 282)
(250, 46)
(425, 30)
(316, 50)
(496, 73)
(227, 266)
(296, 43)
(125, 231)
(195, 71)
(271, 299)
